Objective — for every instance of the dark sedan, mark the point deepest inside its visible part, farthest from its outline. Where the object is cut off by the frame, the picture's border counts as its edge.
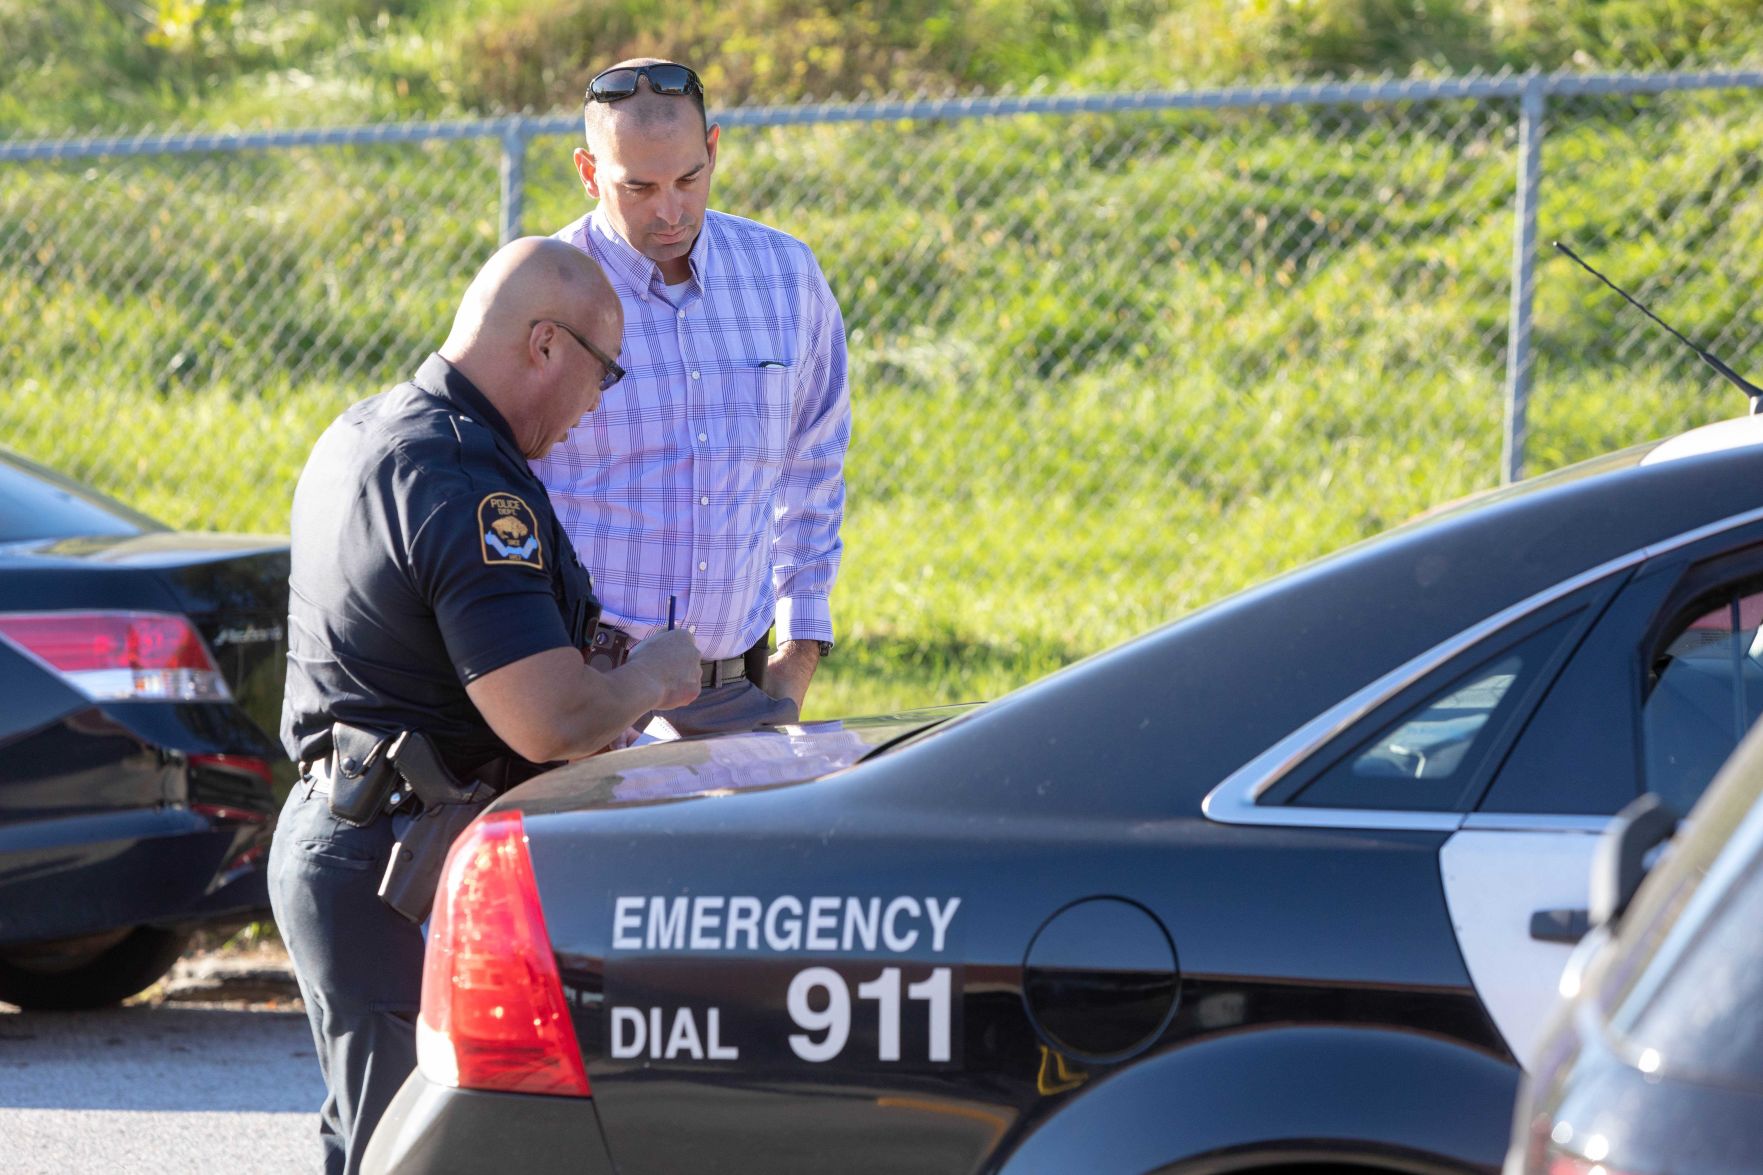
(1289, 881)
(140, 670)
(1656, 1065)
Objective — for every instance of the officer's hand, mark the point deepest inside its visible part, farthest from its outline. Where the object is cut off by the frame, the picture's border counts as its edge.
(672, 657)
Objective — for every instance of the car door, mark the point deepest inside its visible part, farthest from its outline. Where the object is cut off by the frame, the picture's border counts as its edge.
(1659, 691)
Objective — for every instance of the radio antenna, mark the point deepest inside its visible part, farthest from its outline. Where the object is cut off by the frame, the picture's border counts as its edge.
(1744, 385)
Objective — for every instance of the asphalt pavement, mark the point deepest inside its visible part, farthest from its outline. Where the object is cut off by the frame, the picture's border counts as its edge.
(215, 1073)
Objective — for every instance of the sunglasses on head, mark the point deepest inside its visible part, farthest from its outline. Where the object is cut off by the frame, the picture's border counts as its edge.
(621, 81)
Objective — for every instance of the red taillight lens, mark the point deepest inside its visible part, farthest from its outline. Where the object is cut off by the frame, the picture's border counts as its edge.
(120, 656)
(493, 1013)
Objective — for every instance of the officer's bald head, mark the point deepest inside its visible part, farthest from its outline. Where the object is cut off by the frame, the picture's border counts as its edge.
(510, 335)
(534, 277)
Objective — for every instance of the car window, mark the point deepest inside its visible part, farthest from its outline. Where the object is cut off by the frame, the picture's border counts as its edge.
(36, 503)
(1427, 758)
(1704, 690)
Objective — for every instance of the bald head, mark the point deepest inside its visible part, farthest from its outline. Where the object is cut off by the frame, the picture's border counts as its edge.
(508, 336)
(534, 277)
(644, 112)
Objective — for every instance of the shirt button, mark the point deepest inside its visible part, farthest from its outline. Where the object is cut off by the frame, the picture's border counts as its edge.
(703, 436)
(704, 501)
(691, 628)
(703, 567)
(682, 313)
(694, 375)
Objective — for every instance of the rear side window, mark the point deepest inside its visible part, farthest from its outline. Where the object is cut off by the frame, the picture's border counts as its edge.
(1705, 689)
(38, 504)
(1427, 759)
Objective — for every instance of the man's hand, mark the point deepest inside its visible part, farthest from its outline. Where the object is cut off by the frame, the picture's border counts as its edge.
(672, 656)
(790, 669)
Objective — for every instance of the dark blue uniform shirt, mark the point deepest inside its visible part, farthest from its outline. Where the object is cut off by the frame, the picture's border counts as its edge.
(425, 555)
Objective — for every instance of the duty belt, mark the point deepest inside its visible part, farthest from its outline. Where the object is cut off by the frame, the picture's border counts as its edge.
(611, 647)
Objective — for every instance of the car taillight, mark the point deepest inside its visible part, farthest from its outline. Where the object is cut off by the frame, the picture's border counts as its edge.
(493, 1013)
(120, 656)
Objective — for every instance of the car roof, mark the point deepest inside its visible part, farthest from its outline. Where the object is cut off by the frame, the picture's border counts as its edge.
(1226, 682)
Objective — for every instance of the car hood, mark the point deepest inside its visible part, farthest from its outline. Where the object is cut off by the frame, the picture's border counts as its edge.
(718, 765)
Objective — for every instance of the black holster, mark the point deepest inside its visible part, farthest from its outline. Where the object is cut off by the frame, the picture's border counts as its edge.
(756, 658)
(444, 806)
(362, 774)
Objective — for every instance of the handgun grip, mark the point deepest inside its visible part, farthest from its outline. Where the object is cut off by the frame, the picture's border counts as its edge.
(414, 870)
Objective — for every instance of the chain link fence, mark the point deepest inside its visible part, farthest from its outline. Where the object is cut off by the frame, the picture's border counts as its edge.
(1112, 356)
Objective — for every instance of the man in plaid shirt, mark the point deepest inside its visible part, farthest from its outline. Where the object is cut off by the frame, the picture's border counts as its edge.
(710, 485)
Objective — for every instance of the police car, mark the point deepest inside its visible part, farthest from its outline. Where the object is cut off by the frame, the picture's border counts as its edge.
(1289, 880)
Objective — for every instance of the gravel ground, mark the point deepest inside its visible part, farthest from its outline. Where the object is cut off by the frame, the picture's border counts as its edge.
(212, 1069)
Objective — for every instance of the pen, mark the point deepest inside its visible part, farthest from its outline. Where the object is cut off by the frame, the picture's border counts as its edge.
(670, 601)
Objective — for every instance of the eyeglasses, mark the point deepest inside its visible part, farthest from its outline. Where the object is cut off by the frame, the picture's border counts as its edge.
(614, 372)
(620, 82)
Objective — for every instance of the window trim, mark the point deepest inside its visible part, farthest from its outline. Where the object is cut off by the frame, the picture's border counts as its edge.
(1236, 799)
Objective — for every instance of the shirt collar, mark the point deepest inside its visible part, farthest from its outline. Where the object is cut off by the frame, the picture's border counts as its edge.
(447, 383)
(639, 273)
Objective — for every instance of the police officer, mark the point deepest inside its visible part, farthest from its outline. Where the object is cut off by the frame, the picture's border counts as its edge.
(434, 590)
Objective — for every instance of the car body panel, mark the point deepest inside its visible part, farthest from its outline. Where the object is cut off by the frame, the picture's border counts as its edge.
(1495, 881)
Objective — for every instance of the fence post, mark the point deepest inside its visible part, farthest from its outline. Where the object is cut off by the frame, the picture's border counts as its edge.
(514, 135)
(1518, 356)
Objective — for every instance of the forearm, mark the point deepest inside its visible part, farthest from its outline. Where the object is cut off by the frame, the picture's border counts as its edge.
(551, 706)
(610, 703)
(790, 670)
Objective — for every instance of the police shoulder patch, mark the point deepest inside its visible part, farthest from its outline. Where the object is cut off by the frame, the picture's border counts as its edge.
(509, 532)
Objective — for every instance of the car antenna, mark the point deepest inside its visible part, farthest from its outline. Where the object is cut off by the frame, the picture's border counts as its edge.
(1744, 385)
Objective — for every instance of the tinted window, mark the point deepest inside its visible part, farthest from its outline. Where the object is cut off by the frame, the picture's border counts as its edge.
(38, 504)
(1427, 759)
(1705, 690)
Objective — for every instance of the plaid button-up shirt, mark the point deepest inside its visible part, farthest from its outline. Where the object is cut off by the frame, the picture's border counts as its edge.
(715, 471)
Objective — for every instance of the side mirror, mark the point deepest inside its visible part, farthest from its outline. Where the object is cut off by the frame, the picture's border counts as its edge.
(1619, 864)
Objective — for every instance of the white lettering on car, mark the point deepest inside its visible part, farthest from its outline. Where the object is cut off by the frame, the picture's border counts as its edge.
(706, 921)
(635, 1035)
(785, 924)
(627, 919)
(743, 918)
(823, 923)
(793, 925)
(896, 941)
(908, 1006)
(861, 920)
(667, 925)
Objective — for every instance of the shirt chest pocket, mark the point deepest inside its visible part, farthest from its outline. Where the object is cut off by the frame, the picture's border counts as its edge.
(755, 411)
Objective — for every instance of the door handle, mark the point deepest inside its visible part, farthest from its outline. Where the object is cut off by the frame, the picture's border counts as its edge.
(1563, 926)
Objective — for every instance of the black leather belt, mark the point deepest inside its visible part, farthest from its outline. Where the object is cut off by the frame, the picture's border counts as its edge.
(722, 672)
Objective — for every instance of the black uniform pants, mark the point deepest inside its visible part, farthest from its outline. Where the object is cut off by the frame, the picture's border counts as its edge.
(359, 965)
